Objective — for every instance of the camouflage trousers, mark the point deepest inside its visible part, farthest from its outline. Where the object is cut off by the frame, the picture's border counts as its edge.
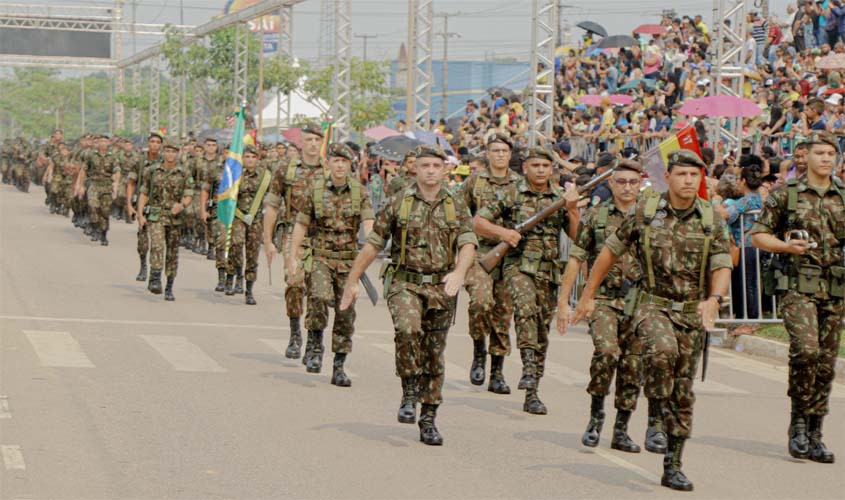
(490, 309)
(143, 246)
(99, 205)
(164, 238)
(421, 316)
(815, 329)
(672, 344)
(245, 240)
(615, 348)
(325, 288)
(295, 291)
(60, 190)
(219, 240)
(534, 302)
(193, 224)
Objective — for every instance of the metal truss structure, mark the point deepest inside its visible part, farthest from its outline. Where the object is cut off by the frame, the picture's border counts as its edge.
(544, 22)
(729, 32)
(155, 91)
(420, 78)
(135, 115)
(241, 63)
(285, 53)
(328, 27)
(341, 95)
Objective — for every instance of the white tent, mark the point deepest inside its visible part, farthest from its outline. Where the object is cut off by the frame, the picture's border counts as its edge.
(301, 108)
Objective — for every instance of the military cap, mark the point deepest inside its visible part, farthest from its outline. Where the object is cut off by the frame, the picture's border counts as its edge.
(312, 128)
(341, 150)
(605, 160)
(430, 150)
(410, 154)
(249, 148)
(631, 165)
(211, 138)
(171, 142)
(821, 137)
(156, 134)
(685, 158)
(102, 136)
(538, 152)
(500, 137)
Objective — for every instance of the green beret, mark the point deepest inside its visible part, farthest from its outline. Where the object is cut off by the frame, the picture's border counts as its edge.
(685, 158)
(538, 152)
(821, 137)
(312, 128)
(500, 137)
(430, 150)
(249, 148)
(341, 150)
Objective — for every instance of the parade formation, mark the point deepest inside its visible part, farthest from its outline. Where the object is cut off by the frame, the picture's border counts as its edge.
(656, 265)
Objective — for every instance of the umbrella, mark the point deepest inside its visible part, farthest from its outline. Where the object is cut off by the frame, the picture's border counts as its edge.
(832, 61)
(395, 147)
(723, 106)
(380, 132)
(592, 27)
(617, 41)
(595, 100)
(648, 82)
(223, 135)
(650, 29)
(506, 92)
(427, 137)
(293, 135)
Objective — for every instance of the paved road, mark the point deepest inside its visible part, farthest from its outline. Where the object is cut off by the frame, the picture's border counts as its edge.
(107, 391)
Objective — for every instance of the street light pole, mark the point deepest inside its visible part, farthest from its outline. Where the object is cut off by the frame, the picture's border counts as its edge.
(366, 37)
(444, 79)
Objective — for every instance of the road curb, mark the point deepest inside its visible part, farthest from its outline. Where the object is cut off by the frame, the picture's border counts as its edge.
(765, 348)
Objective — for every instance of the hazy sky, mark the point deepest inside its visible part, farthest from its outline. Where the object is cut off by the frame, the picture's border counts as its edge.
(486, 27)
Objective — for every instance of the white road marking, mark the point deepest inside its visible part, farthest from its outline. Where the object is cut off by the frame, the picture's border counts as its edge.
(621, 462)
(453, 384)
(4, 407)
(183, 355)
(12, 457)
(280, 346)
(58, 349)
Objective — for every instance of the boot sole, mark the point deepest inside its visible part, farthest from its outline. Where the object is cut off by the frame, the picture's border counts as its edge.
(293, 355)
(312, 370)
(527, 410)
(431, 443)
(508, 391)
(653, 449)
(800, 456)
(341, 385)
(664, 482)
(403, 420)
(617, 446)
(820, 460)
(477, 381)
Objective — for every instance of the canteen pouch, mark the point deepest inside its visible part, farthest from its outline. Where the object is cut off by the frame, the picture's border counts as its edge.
(530, 263)
(307, 260)
(809, 278)
(775, 279)
(837, 281)
(386, 275)
(155, 214)
(631, 299)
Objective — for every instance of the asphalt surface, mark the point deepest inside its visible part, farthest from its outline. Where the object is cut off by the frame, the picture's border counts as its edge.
(107, 391)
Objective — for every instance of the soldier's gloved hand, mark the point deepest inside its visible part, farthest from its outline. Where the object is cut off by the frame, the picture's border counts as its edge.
(453, 284)
(708, 310)
(797, 247)
(563, 316)
(350, 294)
(584, 310)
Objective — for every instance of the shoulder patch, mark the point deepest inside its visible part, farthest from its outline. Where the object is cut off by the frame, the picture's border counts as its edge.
(770, 201)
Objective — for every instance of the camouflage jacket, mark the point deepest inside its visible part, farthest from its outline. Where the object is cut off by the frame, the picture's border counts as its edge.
(292, 192)
(207, 172)
(588, 244)
(164, 188)
(676, 239)
(429, 232)
(398, 183)
(141, 166)
(250, 182)
(479, 194)
(100, 167)
(335, 227)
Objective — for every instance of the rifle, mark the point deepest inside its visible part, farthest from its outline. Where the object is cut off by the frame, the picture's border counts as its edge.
(706, 355)
(491, 259)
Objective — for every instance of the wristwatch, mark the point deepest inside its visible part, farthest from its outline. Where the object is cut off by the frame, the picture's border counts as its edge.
(718, 298)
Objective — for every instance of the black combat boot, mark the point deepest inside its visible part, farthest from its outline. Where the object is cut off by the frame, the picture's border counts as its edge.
(168, 290)
(249, 299)
(528, 380)
(673, 477)
(428, 431)
(532, 403)
(210, 254)
(621, 440)
(799, 442)
(818, 451)
(655, 436)
(295, 343)
(339, 377)
(479, 357)
(593, 433)
(315, 361)
(230, 281)
(93, 233)
(103, 241)
(408, 409)
(142, 273)
(239, 283)
(309, 347)
(155, 282)
(221, 280)
(497, 378)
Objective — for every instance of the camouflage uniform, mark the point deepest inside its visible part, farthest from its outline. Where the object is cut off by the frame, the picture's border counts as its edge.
(194, 228)
(532, 273)
(490, 306)
(398, 183)
(62, 182)
(139, 174)
(246, 238)
(99, 169)
(811, 300)
(420, 308)
(333, 215)
(209, 172)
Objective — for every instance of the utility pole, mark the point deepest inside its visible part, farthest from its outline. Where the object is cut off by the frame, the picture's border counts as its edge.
(82, 99)
(764, 8)
(562, 26)
(444, 79)
(366, 37)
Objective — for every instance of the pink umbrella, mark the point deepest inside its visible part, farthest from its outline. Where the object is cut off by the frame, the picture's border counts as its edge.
(832, 61)
(650, 29)
(725, 106)
(595, 100)
(380, 132)
(293, 135)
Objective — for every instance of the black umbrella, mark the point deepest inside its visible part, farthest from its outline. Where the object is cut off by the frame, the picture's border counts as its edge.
(506, 92)
(617, 42)
(394, 147)
(592, 27)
